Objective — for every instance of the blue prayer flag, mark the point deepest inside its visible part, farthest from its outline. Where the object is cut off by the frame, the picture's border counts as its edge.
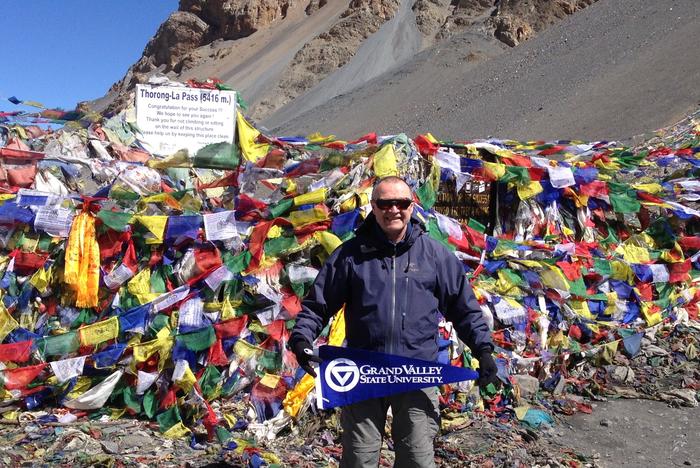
(135, 319)
(109, 356)
(182, 226)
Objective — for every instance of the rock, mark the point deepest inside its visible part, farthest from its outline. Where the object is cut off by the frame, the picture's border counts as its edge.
(110, 447)
(605, 422)
(527, 384)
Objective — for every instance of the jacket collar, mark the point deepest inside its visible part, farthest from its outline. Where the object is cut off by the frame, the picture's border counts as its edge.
(373, 237)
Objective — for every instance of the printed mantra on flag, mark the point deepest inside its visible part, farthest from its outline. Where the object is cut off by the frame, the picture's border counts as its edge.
(342, 375)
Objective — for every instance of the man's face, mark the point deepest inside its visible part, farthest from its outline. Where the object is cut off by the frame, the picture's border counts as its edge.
(390, 216)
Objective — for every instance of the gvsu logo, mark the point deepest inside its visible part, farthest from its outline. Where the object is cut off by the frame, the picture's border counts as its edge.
(342, 375)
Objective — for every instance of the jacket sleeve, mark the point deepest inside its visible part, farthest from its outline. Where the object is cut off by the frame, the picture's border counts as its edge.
(327, 295)
(459, 305)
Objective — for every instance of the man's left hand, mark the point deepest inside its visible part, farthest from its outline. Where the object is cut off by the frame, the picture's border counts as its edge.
(488, 370)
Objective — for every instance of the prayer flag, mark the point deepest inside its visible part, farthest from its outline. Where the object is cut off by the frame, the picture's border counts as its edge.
(15, 379)
(99, 332)
(66, 369)
(16, 352)
(97, 396)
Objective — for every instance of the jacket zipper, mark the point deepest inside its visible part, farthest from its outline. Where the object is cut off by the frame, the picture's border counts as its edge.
(393, 302)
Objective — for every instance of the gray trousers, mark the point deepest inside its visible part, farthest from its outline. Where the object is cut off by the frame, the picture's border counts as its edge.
(416, 420)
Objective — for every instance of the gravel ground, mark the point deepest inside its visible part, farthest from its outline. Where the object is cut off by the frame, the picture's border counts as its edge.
(635, 433)
(611, 71)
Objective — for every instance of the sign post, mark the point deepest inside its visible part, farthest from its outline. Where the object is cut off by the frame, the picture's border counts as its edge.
(171, 118)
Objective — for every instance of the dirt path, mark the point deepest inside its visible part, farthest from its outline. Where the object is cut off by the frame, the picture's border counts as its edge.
(635, 433)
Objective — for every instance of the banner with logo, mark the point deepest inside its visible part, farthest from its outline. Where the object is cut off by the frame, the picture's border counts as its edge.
(350, 375)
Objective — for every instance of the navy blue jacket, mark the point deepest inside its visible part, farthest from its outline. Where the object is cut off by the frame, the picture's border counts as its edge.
(392, 295)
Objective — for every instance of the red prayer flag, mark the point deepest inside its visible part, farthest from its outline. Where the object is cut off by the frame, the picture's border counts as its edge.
(217, 356)
(679, 271)
(15, 379)
(16, 352)
(230, 328)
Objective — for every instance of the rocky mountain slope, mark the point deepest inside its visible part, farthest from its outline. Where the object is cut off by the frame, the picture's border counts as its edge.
(293, 55)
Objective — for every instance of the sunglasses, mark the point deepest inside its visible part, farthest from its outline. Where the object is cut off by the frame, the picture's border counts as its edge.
(386, 203)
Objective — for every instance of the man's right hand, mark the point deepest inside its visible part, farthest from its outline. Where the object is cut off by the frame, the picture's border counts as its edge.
(303, 350)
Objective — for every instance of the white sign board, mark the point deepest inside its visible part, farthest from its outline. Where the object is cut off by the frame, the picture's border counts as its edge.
(171, 118)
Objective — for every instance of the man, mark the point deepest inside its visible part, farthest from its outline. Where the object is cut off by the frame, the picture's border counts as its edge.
(394, 280)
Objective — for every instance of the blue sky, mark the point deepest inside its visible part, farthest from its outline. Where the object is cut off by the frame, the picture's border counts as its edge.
(61, 52)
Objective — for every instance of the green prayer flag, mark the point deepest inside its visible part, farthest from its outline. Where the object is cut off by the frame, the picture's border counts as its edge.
(209, 382)
(426, 195)
(158, 282)
(281, 244)
(281, 207)
(623, 203)
(239, 262)
(131, 400)
(476, 225)
(150, 404)
(199, 340)
(602, 267)
(577, 287)
(159, 321)
(222, 155)
(435, 232)
(662, 233)
(58, 345)
(271, 361)
(168, 418)
(222, 435)
(114, 219)
(512, 276)
(516, 174)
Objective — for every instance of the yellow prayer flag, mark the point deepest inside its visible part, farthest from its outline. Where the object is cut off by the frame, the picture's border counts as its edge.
(247, 137)
(529, 189)
(82, 385)
(317, 138)
(228, 309)
(246, 350)
(328, 240)
(163, 198)
(99, 332)
(554, 278)
(41, 279)
(304, 217)
(180, 158)
(581, 309)
(621, 271)
(607, 355)
(82, 261)
(336, 336)
(652, 188)
(177, 431)
(311, 198)
(162, 345)
(295, 398)
(188, 379)
(385, 162)
(140, 286)
(7, 323)
(496, 170)
(270, 380)
(156, 226)
(652, 317)
(633, 254)
(274, 232)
